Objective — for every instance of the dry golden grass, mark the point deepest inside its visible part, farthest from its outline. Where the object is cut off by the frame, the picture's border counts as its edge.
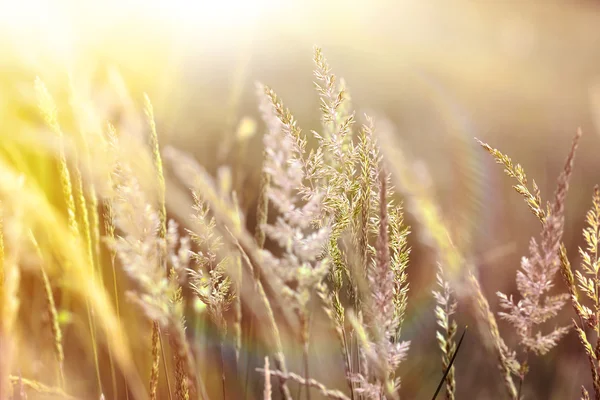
(152, 273)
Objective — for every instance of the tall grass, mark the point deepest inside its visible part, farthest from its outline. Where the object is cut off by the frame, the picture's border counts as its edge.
(330, 243)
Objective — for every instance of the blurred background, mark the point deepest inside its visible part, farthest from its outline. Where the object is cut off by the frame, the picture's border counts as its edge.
(522, 76)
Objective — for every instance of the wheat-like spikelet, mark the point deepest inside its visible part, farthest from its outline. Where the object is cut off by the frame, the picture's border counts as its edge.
(582, 311)
(49, 112)
(336, 139)
(82, 206)
(53, 313)
(38, 387)
(591, 263)
(584, 394)
(368, 157)
(533, 200)
(587, 283)
(267, 390)
(155, 346)
(399, 263)
(445, 308)
(181, 376)
(162, 232)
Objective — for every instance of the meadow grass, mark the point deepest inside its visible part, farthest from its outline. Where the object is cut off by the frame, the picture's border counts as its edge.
(174, 294)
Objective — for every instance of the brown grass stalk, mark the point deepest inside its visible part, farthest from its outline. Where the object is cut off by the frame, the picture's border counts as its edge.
(506, 360)
(39, 387)
(53, 313)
